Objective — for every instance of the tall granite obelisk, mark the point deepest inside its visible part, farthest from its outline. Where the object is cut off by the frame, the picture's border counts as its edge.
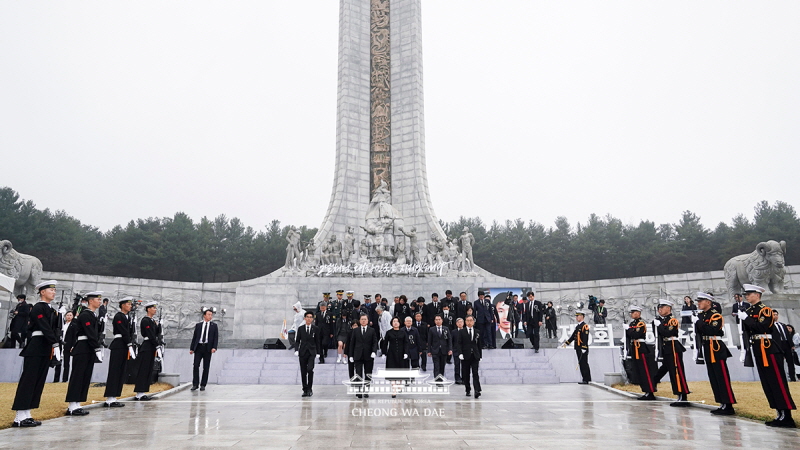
(380, 135)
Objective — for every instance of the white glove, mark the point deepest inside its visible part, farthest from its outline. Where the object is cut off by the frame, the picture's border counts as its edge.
(373, 355)
(742, 315)
(742, 354)
(405, 356)
(159, 353)
(656, 323)
(99, 353)
(57, 353)
(296, 353)
(383, 356)
(695, 319)
(351, 359)
(461, 357)
(132, 352)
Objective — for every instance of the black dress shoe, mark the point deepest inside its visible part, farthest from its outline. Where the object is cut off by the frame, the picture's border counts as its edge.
(310, 393)
(202, 388)
(583, 382)
(78, 412)
(194, 388)
(681, 404)
(144, 398)
(647, 396)
(322, 361)
(305, 394)
(783, 423)
(724, 412)
(366, 395)
(468, 393)
(477, 394)
(359, 396)
(26, 423)
(114, 405)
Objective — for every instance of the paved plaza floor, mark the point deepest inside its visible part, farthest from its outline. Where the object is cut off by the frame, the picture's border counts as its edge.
(562, 416)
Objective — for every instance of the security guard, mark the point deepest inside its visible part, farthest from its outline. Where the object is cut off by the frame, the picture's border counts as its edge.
(581, 338)
(87, 351)
(767, 356)
(667, 331)
(708, 331)
(640, 354)
(40, 348)
(121, 351)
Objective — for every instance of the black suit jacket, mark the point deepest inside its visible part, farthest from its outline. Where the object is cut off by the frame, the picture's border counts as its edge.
(533, 313)
(430, 310)
(325, 324)
(212, 338)
(423, 333)
(467, 347)
(461, 310)
(440, 344)
(308, 344)
(70, 338)
(414, 340)
(362, 345)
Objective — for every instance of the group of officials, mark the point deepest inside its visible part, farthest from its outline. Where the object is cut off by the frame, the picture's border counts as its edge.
(447, 331)
(49, 337)
(760, 332)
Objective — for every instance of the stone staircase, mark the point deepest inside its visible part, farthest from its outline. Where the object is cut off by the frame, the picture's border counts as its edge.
(520, 366)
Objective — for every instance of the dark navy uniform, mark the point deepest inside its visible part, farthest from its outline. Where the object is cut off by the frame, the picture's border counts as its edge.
(640, 355)
(581, 338)
(83, 356)
(120, 353)
(709, 332)
(672, 353)
(42, 337)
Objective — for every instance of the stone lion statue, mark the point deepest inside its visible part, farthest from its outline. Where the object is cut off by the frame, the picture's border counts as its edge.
(763, 267)
(25, 269)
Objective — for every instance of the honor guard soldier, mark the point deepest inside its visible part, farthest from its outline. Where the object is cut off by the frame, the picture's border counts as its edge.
(581, 338)
(121, 351)
(335, 305)
(708, 336)
(640, 354)
(667, 329)
(88, 350)
(767, 356)
(40, 348)
(147, 351)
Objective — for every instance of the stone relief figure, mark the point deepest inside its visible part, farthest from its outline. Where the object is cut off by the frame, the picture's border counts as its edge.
(467, 240)
(25, 269)
(413, 247)
(763, 267)
(374, 239)
(348, 245)
(293, 255)
(310, 256)
(363, 251)
(400, 249)
(335, 250)
(435, 247)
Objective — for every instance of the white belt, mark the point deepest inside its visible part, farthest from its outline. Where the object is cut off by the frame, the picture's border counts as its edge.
(37, 333)
(82, 338)
(672, 339)
(711, 338)
(117, 336)
(640, 340)
(761, 336)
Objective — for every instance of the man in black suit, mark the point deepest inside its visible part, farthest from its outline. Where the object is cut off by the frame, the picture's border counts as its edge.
(533, 319)
(363, 345)
(469, 352)
(102, 312)
(440, 345)
(19, 324)
(461, 306)
(308, 344)
(486, 319)
(433, 308)
(780, 335)
(204, 344)
(422, 328)
(42, 346)
(415, 345)
(325, 322)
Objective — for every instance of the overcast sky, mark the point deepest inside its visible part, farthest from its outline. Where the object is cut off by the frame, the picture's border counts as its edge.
(114, 111)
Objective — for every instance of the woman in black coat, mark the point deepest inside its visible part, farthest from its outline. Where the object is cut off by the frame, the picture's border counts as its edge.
(688, 305)
(551, 321)
(396, 344)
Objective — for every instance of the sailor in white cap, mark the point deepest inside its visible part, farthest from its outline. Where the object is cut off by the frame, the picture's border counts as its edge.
(708, 328)
(39, 350)
(88, 349)
(147, 351)
(581, 338)
(667, 328)
(122, 350)
(767, 356)
(640, 354)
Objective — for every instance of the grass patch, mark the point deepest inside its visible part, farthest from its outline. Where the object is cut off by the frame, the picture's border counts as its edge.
(750, 397)
(53, 404)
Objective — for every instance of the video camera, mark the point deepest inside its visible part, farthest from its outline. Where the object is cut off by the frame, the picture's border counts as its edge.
(592, 302)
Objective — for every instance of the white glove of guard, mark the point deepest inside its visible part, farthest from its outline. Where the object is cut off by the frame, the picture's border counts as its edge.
(695, 319)
(742, 315)
(132, 352)
(296, 353)
(159, 353)
(405, 356)
(383, 356)
(351, 359)
(461, 357)
(57, 353)
(656, 322)
(99, 353)
(373, 355)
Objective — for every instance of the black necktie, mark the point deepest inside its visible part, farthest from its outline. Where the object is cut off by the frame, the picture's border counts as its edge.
(308, 329)
(205, 333)
(470, 333)
(440, 330)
